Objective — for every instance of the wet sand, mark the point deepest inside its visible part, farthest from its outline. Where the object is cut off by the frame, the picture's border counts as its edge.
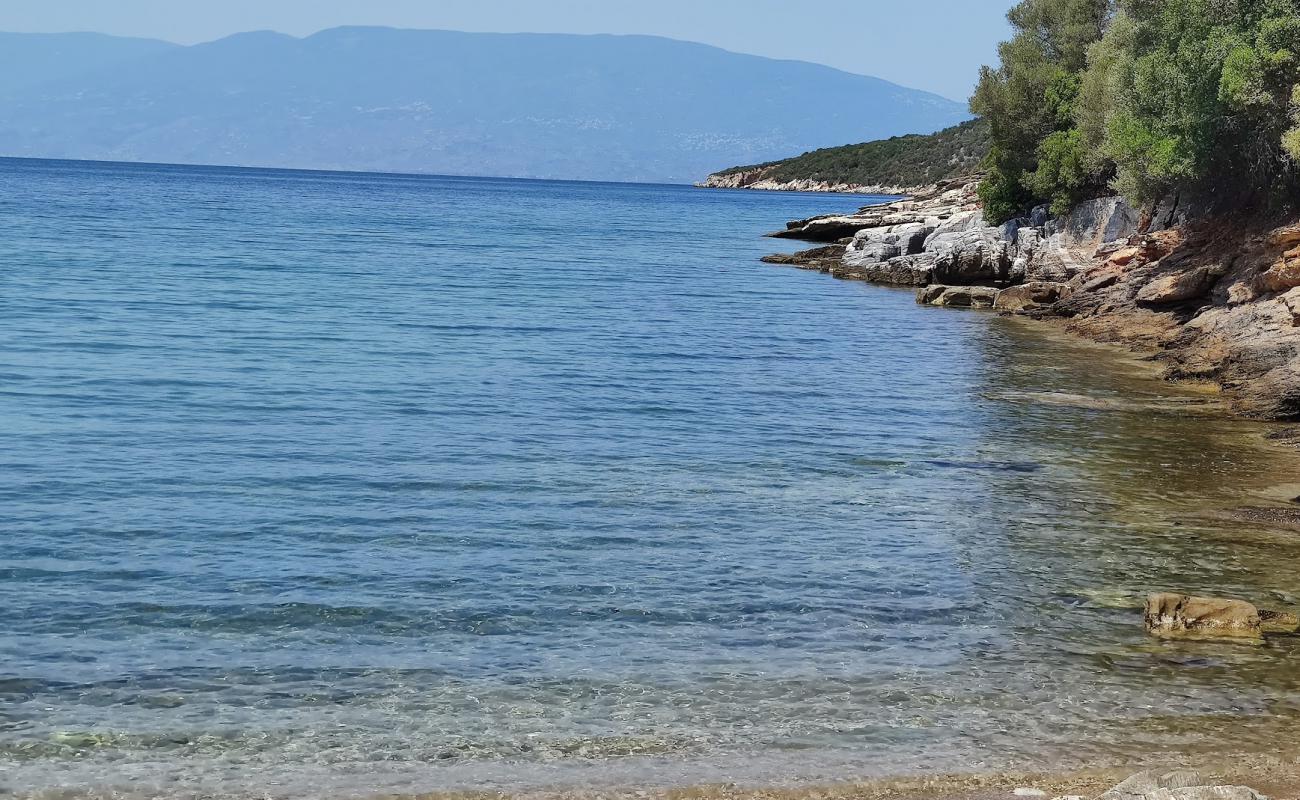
(1277, 777)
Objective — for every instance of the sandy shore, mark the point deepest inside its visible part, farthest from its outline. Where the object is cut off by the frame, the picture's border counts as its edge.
(1277, 777)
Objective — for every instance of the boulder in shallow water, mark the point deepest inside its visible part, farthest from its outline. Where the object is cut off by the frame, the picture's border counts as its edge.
(1276, 517)
(1283, 622)
(957, 296)
(1028, 297)
(1177, 615)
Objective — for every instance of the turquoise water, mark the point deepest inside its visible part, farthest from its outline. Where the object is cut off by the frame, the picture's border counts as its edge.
(325, 485)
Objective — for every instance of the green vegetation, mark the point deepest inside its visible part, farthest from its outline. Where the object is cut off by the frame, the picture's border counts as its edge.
(900, 161)
(1147, 97)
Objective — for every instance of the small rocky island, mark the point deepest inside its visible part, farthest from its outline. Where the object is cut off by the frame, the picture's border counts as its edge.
(1214, 297)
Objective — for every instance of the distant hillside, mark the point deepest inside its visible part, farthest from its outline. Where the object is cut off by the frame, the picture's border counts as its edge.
(28, 60)
(528, 105)
(899, 162)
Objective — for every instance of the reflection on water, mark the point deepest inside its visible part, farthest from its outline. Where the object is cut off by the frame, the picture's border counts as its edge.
(331, 485)
(1143, 462)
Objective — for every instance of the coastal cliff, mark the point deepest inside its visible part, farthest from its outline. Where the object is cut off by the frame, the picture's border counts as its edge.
(1212, 296)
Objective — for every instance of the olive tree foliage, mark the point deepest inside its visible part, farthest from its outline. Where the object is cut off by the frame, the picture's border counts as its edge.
(1144, 96)
(1291, 140)
(1029, 101)
(1205, 101)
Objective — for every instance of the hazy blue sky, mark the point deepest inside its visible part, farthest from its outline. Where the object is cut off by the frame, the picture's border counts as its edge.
(929, 44)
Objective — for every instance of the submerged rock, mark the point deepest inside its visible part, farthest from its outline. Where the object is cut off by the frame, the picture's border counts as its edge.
(1202, 617)
(1271, 516)
(1279, 622)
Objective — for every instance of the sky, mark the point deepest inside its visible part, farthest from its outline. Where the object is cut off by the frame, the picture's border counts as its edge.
(937, 45)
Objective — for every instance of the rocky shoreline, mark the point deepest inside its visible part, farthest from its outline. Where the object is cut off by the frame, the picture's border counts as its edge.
(759, 180)
(1211, 297)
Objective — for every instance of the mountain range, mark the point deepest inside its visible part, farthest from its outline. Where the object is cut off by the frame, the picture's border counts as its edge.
(634, 108)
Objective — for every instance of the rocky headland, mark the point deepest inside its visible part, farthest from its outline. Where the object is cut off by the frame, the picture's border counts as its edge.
(1211, 296)
(762, 179)
(903, 165)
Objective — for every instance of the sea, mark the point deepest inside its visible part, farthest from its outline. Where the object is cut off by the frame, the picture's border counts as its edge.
(339, 485)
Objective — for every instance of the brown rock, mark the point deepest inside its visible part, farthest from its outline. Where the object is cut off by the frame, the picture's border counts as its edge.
(1099, 282)
(1292, 302)
(1180, 615)
(957, 296)
(1177, 288)
(1285, 274)
(1124, 256)
(1027, 297)
(1270, 516)
(1278, 622)
(1274, 395)
(1285, 237)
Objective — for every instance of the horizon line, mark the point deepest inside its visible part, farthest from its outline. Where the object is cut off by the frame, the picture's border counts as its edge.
(395, 174)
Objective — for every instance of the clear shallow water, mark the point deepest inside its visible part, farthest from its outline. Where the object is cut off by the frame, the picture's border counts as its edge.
(322, 484)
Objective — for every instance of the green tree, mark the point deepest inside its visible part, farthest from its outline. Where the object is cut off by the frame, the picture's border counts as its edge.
(1146, 96)
(1030, 97)
(1291, 139)
(1204, 99)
